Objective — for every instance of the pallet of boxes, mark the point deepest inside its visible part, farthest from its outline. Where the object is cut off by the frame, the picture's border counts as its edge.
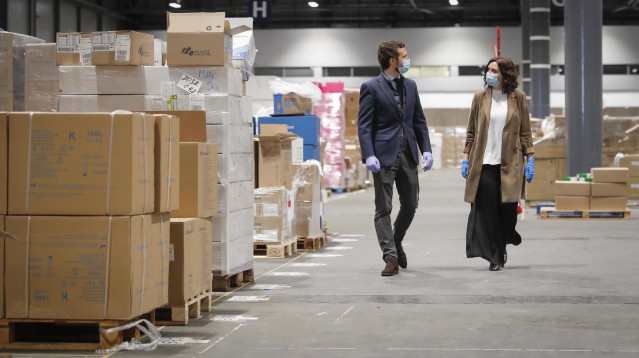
(550, 160)
(87, 230)
(601, 194)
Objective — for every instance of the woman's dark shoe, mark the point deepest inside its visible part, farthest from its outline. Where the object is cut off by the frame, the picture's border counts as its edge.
(402, 261)
(505, 259)
(494, 267)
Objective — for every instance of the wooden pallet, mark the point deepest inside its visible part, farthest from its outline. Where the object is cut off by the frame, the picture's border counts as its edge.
(552, 213)
(179, 314)
(224, 283)
(59, 334)
(311, 243)
(277, 250)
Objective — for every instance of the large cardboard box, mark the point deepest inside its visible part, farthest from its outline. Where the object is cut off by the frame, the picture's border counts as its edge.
(198, 180)
(609, 189)
(233, 225)
(2, 267)
(94, 267)
(608, 203)
(192, 124)
(570, 203)
(81, 163)
(41, 81)
(4, 159)
(610, 175)
(190, 258)
(73, 49)
(234, 168)
(234, 196)
(231, 139)
(231, 257)
(632, 163)
(292, 103)
(275, 160)
(12, 69)
(307, 220)
(633, 188)
(197, 39)
(94, 80)
(307, 127)
(121, 48)
(572, 188)
(167, 163)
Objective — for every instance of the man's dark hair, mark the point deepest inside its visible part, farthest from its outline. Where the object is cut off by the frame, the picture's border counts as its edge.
(386, 51)
(508, 73)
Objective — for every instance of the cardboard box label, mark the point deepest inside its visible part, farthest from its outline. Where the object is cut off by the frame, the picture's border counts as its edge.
(103, 42)
(271, 209)
(123, 47)
(85, 50)
(68, 43)
(190, 84)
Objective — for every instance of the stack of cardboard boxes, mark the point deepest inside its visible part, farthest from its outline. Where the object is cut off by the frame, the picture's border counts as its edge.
(330, 110)
(90, 202)
(42, 82)
(308, 220)
(12, 69)
(605, 190)
(632, 163)
(272, 218)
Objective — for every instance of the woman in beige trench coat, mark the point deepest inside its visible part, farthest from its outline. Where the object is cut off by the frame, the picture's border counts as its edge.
(498, 138)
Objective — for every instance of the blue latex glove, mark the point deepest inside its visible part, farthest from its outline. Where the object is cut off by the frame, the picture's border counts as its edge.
(427, 159)
(373, 164)
(529, 173)
(465, 169)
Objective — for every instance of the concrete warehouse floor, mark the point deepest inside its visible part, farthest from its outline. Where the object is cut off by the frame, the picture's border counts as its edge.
(569, 290)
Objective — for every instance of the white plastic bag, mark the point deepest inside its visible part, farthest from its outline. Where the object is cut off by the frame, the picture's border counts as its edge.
(307, 89)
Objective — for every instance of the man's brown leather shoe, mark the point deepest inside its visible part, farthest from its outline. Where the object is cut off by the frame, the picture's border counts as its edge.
(391, 268)
(402, 261)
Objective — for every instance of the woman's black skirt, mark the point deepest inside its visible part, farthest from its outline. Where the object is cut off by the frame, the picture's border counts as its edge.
(491, 223)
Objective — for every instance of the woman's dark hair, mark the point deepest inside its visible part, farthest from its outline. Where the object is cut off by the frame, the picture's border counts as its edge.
(386, 51)
(508, 73)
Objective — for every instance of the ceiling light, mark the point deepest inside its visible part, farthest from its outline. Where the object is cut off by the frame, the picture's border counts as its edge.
(453, 2)
(313, 4)
(175, 4)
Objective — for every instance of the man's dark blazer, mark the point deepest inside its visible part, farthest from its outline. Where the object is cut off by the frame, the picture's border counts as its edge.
(380, 123)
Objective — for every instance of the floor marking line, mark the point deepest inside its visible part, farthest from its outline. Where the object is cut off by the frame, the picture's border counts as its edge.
(221, 338)
(344, 314)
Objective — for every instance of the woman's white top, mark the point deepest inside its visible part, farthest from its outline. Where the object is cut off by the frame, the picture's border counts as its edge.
(498, 113)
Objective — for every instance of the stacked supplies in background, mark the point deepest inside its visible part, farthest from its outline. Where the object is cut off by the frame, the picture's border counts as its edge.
(12, 69)
(330, 110)
(42, 81)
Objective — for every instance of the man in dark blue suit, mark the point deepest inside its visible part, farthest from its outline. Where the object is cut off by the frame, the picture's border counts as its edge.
(391, 126)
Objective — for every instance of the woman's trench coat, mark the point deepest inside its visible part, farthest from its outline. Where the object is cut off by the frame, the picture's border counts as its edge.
(516, 142)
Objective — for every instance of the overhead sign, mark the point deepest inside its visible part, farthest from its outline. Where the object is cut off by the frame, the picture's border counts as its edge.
(259, 9)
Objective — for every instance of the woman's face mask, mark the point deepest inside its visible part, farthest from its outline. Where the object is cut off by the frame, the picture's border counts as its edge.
(491, 80)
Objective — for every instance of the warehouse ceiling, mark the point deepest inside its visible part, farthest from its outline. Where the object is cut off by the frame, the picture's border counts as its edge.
(151, 14)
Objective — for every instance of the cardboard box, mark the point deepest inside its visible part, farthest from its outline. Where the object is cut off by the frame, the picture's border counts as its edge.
(632, 163)
(633, 188)
(244, 51)
(73, 49)
(41, 81)
(609, 189)
(94, 267)
(234, 196)
(197, 39)
(4, 160)
(2, 267)
(312, 152)
(275, 160)
(307, 127)
(167, 163)
(95, 80)
(198, 180)
(81, 163)
(292, 103)
(235, 167)
(12, 70)
(610, 175)
(233, 225)
(231, 139)
(308, 183)
(231, 257)
(271, 235)
(297, 144)
(307, 220)
(609, 203)
(192, 124)
(121, 48)
(550, 152)
(270, 222)
(572, 203)
(572, 188)
(190, 258)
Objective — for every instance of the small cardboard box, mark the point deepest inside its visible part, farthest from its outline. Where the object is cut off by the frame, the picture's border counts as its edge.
(270, 222)
(197, 39)
(632, 163)
(307, 220)
(4, 160)
(81, 163)
(610, 175)
(121, 48)
(90, 267)
(308, 181)
(275, 160)
(192, 124)
(167, 163)
(570, 203)
(609, 203)
(73, 49)
(633, 188)
(190, 258)
(572, 188)
(609, 189)
(198, 180)
(292, 103)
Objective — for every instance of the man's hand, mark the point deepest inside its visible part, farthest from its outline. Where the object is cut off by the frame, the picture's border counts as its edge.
(427, 160)
(373, 164)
